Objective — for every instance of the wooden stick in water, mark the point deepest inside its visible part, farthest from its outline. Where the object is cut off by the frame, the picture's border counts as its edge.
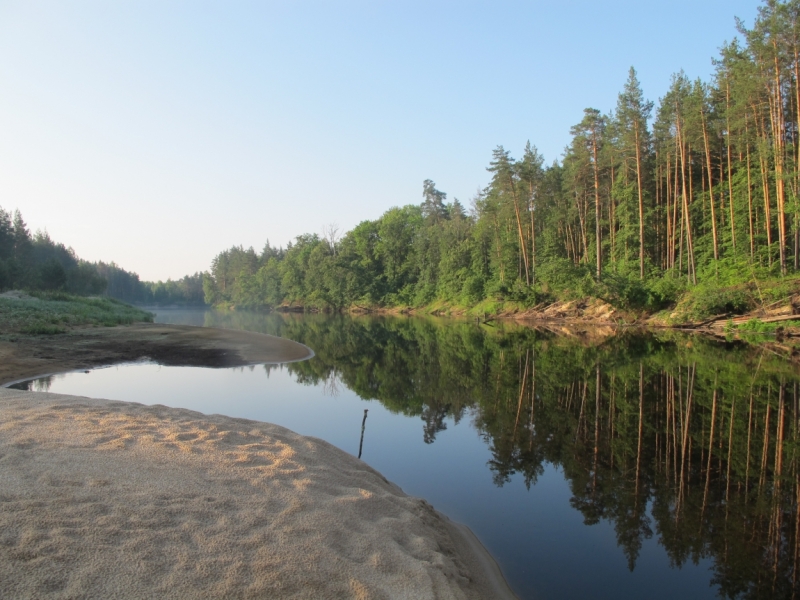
(363, 426)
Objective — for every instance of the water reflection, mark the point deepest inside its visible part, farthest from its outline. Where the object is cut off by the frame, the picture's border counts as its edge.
(42, 384)
(688, 440)
(661, 438)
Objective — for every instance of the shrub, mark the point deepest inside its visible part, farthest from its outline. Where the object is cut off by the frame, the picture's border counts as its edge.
(706, 301)
(473, 288)
(43, 329)
(623, 290)
(665, 291)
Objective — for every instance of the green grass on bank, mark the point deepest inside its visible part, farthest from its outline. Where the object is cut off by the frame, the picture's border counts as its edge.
(759, 326)
(671, 299)
(708, 300)
(756, 331)
(725, 289)
(49, 313)
(728, 289)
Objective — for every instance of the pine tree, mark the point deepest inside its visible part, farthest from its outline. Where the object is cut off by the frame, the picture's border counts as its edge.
(532, 174)
(506, 180)
(632, 115)
(589, 135)
(433, 202)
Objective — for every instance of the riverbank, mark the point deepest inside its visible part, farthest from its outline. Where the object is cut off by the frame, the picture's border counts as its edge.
(50, 313)
(664, 303)
(25, 356)
(114, 499)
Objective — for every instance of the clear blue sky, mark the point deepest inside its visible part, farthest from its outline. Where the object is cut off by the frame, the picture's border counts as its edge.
(157, 133)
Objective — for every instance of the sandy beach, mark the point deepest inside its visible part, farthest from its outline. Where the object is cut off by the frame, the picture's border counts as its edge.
(106, 499)
(27, 356)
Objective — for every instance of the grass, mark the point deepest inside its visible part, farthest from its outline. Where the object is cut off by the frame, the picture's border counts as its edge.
(57, 312)
(756, 331)
(758, 326)
(713, 299)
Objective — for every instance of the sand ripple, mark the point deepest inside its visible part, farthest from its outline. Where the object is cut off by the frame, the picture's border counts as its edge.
(104, 499)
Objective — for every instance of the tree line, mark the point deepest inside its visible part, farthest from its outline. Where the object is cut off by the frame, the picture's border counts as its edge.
(648, 200)
(126, 286)
(36, 262)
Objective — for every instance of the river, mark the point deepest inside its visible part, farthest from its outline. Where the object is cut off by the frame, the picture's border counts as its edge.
(637, 465)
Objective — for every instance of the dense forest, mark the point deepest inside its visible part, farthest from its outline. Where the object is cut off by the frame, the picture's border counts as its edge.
(36, 262)
(647, 202)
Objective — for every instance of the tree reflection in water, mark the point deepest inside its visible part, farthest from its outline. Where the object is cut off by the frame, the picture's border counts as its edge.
(660, 434)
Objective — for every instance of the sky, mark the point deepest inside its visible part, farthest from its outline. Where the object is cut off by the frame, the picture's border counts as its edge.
(157, 133)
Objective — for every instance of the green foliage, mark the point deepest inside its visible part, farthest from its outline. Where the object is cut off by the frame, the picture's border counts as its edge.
(36, 262)
(759, 326)
(55, 312)
(39, 328)
(473, 289)
(126, 286)
(665, 291)
(84, 280)
(52, 275)
(708, 301)
(559, 275)
(688, 204)
(624, 290)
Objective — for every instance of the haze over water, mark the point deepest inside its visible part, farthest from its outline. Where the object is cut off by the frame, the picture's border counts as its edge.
(590, 466)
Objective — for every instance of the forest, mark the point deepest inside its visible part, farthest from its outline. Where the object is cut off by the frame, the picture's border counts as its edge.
(38, 263)
(696, 196)
(649, 202)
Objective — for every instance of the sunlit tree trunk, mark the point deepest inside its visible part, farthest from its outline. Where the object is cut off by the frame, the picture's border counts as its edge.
(522, 245)
(533, 240)
(598, 242)
(778, 128)
(709, 170)
(796, 54)
(670, 241)
(640, 191)
(750, 203)
(687, 220)
(730, 169)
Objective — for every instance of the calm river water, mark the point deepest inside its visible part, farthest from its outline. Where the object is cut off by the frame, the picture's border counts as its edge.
(637, 466)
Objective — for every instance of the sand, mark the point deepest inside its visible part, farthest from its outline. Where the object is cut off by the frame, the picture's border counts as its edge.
(106, 499)
(27, 356)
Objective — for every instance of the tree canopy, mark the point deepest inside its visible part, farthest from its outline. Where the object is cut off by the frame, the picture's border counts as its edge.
(701, 187)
